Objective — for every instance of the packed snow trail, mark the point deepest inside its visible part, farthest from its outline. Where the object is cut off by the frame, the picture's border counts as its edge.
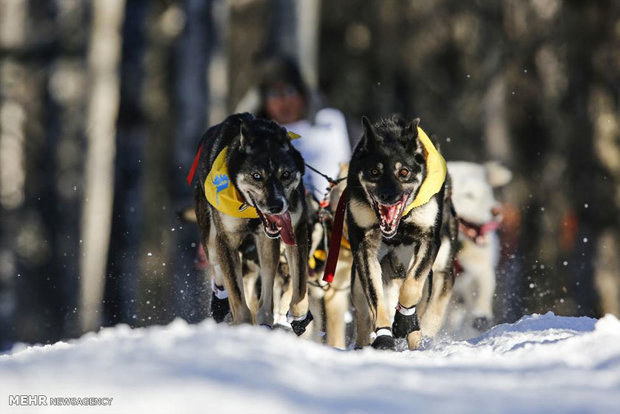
(540, 364)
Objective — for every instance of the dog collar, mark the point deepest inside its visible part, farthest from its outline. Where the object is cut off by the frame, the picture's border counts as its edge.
(436, 171)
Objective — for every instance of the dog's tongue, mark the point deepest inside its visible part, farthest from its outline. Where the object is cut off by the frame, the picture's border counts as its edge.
(283, 221)
(389, 212)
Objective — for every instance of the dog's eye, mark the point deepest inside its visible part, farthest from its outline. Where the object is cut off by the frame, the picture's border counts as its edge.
(286, 175)
(419, 158)
(403, 173)
(257, 176)
(374, 172)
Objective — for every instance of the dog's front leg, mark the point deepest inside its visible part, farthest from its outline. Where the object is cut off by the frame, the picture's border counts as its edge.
(268, 256)
(443, 281)
(406, 321)
(230, 266)
(368, 272)
(297, 258)
(479, 262)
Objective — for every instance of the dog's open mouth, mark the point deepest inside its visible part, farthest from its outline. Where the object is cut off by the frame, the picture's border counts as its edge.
(477, 232)
(278, 225)
(390, 214)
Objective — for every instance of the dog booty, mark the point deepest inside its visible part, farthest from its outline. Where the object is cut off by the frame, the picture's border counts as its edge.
(482, 323)
(384, 340)
(405, 321)
(219, 303)
(300, 323)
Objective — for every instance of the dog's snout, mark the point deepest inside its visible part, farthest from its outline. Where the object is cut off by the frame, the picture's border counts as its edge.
(277, 206)
(496, 210)
(387, 197)
(383, 197)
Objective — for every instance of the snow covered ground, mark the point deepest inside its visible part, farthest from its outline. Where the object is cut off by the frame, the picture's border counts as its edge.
(542, 363)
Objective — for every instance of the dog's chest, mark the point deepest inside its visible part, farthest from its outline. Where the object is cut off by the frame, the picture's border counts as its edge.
(400, 256)
(417, 225)
(412, 231)
(424, 216)
(231, 224)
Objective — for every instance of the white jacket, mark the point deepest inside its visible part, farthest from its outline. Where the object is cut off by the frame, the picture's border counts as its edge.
(324, 144)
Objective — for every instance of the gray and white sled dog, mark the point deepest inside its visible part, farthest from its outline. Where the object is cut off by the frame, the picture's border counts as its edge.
(402, 230)
(330, 302)
(249, 183)
(479, 215)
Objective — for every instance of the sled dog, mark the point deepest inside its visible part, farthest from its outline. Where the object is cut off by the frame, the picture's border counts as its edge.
(249, 183)
(402, 230)
(478, 254)
(330, 302)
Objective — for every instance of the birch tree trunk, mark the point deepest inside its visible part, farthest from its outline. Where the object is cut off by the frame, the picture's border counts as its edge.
(12, 160)
(103, 66)
(308, 13)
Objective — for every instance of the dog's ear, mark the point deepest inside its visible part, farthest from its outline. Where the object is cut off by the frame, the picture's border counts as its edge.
(285, 142)
(413, 143)
(369, 137)
(245, 141)
(497, 175)
(412, 128)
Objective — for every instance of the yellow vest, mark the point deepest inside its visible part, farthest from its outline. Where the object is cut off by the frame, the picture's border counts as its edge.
(222, 194)
(436, 171)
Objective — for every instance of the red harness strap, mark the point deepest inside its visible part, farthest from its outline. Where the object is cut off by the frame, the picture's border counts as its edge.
(336, 238)
(192, 171)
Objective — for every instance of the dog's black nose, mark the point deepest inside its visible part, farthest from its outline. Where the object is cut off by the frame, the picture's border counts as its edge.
(276, 207)
(386, 197)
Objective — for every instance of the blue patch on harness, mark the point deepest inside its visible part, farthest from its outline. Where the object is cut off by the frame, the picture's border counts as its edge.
(221, 183)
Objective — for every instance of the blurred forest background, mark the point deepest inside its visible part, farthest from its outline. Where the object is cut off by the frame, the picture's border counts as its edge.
(102, 104)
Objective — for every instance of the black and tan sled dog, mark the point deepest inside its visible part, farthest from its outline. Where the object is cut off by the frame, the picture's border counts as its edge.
(249, 183)
(402, 229)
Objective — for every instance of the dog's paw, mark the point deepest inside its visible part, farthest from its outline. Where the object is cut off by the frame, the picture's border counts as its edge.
(219, 308)
(384, 340)
(299, 324)
(414, 340)
(482, 323)
(405, 321)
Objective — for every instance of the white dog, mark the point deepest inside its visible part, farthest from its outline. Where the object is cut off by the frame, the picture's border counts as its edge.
(479, 216)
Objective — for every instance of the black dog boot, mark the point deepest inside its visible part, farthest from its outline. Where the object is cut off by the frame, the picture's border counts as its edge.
(300, 323)
(405, 321)
(384, 340)
(482, 323)
(219, 303)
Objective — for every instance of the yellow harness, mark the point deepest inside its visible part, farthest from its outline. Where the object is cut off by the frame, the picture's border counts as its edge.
(222, 194)
(436, 171)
